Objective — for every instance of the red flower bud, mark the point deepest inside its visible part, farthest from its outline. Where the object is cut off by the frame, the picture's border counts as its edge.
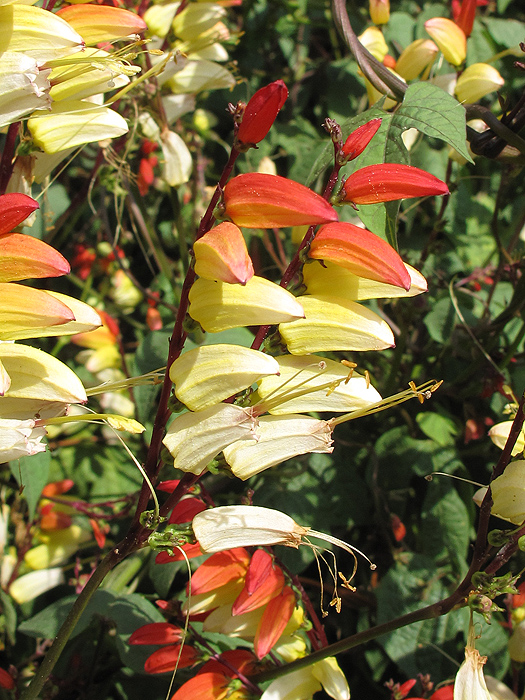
(359, 139)
(259, 200)
(260, 113)
(361, 252)
(467, 13)
(156, 633)
(388, 181)
(15, 208)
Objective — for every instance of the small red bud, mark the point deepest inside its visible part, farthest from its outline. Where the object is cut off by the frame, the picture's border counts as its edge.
(386, 182)
(260, 113)
(15, 208)
(359, 139)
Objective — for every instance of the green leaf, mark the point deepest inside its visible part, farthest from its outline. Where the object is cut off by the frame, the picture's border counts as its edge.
(9, 615)
(31, 474)
(437, 427)
(409, 585)
(47, 622)
(431, 110)
(445, 526)
(505, 32)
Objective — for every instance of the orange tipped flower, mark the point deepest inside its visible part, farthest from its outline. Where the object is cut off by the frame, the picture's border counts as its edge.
(96, 23)
(388, 181)
(15, 208)
(259, 200)
(273, 621)
(359, 139)
(263, 582)
(168, 658)
(260, 113)
(450, 39)
(361, 252)
(221, 254)
(26, 257)
(379, 11)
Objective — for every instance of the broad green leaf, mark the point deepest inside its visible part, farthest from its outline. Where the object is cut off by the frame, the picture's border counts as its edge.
(437, 427)
(505, 32)
(412, 584)
(47, 622)
(31, 474)
(445, 527)
(431, 110)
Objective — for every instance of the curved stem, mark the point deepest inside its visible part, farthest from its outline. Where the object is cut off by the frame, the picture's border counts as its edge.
(80, 604)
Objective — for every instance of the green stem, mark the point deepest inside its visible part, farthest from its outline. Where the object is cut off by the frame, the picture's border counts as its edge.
(431, 611)
(54, 652)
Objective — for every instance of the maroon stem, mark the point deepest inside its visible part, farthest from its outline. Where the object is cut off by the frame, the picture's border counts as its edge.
(8, 156)
(152, 464)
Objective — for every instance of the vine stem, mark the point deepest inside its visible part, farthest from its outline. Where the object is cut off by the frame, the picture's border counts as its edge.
(137, 534)
(459, 597)
(80, 604)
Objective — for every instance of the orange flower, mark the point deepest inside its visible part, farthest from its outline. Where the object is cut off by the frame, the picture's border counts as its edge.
(359, 139)
(361, 252)
(389, 181)
(259, 200)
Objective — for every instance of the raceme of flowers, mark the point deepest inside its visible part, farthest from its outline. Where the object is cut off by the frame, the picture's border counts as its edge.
(269, 426)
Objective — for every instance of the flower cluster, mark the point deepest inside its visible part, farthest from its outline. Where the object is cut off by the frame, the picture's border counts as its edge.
(448, 37)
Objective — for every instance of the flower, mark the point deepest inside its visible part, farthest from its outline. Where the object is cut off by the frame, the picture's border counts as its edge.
(31, 585)
(361, 252)
(194, 439)
(499, 435)
(259, 200)
(221, 255)
(476, 81)
(218, 306)
(178, 163)
(389, 181)
(333, 323)
(228, 527)
(379, 11)
(209, 374)
(102, 23)
(416, 58)
(307, 383)
(19, 438)
(324, 674)
(320, 280)
(260, 113)
(450, 39)
(359, 139)
(278, 438)
(470, 682)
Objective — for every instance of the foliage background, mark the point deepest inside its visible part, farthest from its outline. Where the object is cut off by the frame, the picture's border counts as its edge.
(471, 252)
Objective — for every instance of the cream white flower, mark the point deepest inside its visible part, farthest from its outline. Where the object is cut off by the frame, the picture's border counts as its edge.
(307, 681)
(20, 438)
(194, 439)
